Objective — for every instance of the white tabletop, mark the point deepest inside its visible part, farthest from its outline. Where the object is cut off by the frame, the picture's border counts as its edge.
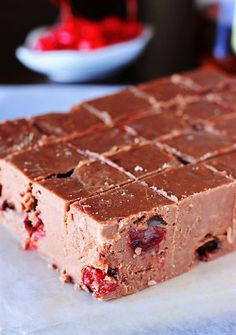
(33, 300)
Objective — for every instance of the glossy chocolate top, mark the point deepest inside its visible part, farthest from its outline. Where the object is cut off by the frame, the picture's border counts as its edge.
(122, 105)
(18, 135)
(48, 160)
(122, 202)
(103, 140)
(62, 124)
(197, 146)
(142, 159)
(185, 181)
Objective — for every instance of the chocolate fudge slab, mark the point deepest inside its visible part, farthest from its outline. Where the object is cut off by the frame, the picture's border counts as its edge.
(164, 91)
(20, 170)
(202, 80)
(157, 125)
(83, 202)
(203, 109)
(225, 163)
(143, 159)
(198, 146)
(133, 230)
(206, 212)
(119, 106)
(79, 120)
(225, 125)
(103, 140)
(18, 135)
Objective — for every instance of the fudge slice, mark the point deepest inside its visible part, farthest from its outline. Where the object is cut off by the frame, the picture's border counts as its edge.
(18, 135)
(143, 159)
(155, 126)
(103, 140)
(206, 213)
(202, 110)
(79, 120)
(164, 91)
(198, 146)
(120, 241)
(54, 196)
(119, 106)
(225, 125)
(19, 171)
(204, 80)
(225, 163)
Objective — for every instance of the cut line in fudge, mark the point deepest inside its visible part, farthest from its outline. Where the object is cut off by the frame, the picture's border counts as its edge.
(225, 125)
(119, 106)
(192, 147)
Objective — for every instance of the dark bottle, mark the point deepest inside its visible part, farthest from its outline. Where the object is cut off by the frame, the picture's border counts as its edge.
(214, 39)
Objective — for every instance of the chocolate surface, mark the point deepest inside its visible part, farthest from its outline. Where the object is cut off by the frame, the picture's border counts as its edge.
(165, 90)
(43, 161)
(141, 160)
(186, 181)
(103, 140)
(157, 125)
(18, 135)
(122, 202)
(122, 105)
(225, 163)
(197, 146)
(62, 124)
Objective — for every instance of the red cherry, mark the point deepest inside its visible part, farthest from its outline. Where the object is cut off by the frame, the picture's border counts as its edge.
(46, 43)
(97, 281)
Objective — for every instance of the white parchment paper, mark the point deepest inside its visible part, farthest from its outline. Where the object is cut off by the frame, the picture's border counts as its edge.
(33, 300)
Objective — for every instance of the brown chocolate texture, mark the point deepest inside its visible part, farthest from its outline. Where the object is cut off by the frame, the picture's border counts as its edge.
(126, 191)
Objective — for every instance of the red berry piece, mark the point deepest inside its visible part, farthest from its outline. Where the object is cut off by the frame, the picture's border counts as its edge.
(98, 282)
(149, 238)
(35, 231)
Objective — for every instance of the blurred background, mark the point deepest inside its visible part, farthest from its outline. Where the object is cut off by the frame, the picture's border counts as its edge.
(187, 34)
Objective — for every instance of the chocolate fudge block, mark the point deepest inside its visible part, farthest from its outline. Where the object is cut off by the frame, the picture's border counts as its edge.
(133, 227)
(103, 140)
(198, 146)
(225, 163)
(79, 120)
(157, 125)
(203, 109)
(143, 159)
(18, 135)
(116, 107)
(203, 80)
(225, 125)
(164, 91)
(206, 219)
(121, 192)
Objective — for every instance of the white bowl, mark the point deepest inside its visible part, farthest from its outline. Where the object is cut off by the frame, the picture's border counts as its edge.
(81, 66)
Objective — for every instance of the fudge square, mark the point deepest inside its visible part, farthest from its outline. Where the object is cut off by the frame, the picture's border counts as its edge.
(112, 193)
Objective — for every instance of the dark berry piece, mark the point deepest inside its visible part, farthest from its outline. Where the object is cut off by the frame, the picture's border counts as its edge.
(205, 251)
(149, 238)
